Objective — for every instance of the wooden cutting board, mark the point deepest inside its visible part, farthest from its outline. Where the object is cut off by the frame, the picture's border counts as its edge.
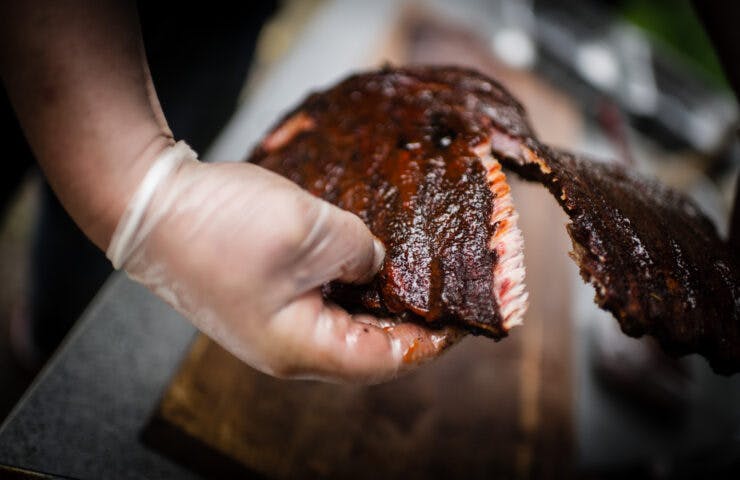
(483, 410)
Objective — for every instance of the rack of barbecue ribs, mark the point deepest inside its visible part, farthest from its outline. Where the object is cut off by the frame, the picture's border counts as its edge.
(417, 154)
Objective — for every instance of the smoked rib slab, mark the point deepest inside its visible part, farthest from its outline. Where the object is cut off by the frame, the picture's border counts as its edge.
(416, 153)
(656, 262)
(408, 151)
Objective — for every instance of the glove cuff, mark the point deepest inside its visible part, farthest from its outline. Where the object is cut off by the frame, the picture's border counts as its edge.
(129, 233)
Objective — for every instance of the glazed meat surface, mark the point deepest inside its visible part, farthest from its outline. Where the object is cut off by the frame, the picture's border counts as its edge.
(655, 261)
(408, 151)
(415, 153)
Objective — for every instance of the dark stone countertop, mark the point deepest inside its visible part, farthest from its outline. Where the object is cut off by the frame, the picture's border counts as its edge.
(84, 413)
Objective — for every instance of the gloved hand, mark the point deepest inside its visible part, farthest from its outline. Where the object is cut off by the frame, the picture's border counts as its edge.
(242, 253)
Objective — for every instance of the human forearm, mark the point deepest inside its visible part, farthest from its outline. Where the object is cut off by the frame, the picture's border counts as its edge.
(238, 250)
(76, 74)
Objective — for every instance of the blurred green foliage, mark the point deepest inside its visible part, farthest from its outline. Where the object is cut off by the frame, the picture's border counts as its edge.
(675, 23)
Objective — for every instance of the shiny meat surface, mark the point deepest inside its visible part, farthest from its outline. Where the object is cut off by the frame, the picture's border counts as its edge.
(408, 151)
(415, 153)
(655, 261)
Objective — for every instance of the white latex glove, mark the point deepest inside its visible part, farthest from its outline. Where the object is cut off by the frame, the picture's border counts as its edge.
(242, 253)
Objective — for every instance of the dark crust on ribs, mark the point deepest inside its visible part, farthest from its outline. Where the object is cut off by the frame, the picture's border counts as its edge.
(655, 260)
(396, 147)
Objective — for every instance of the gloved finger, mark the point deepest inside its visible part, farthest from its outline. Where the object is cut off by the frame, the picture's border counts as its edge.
(338, 246)
(320, 340)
